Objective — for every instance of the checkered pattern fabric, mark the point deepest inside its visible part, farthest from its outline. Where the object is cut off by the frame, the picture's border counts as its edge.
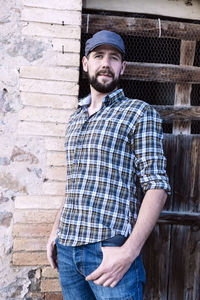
(106, 152)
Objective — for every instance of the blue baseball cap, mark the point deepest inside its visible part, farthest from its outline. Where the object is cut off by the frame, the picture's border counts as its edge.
(105, 37)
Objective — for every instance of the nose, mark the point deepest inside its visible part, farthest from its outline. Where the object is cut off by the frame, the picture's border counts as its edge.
(106, 61)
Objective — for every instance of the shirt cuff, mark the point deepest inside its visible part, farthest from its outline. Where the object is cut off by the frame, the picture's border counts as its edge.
(157, 184)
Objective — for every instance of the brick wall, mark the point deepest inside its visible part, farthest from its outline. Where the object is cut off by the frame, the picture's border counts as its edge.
(44, 71)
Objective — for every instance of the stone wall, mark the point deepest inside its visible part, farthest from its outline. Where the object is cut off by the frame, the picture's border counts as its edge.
(40, 54)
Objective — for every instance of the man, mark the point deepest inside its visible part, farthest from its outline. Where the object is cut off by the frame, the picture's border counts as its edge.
(110, 141)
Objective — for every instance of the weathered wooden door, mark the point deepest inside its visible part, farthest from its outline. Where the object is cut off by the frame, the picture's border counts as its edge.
(172, 253)
(167, 77)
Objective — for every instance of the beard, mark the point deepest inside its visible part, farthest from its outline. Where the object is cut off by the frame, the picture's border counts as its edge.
(103, 87)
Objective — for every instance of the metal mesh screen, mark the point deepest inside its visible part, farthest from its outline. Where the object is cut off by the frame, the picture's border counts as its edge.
(195, 94)
(154, 93)
(152, 50)
(197, 55)
(195, 125)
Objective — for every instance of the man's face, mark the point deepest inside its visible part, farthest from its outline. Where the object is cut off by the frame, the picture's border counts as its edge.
(104, 66)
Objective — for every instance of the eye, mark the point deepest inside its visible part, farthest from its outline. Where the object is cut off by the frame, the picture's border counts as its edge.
(98, 56)
(115, 57)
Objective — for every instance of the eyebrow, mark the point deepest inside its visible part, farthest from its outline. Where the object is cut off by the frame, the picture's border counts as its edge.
(112, 53)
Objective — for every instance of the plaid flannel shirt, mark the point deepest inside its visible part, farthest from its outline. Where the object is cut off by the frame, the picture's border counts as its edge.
(106, 152)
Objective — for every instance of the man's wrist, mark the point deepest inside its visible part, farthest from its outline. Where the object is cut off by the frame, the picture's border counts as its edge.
(130, 251)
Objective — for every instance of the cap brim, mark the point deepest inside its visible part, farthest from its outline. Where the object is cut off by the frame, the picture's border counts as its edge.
(107, 43)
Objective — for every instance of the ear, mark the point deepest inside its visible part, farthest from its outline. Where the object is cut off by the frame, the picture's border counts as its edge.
(123, 67)
(85, 63)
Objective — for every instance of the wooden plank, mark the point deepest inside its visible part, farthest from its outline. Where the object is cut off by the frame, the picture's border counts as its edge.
(183, 168)
(182, 94)
(173, 217)
(184, 270)
(156, 262)
(194, 170)
(187, 52)
(170, 112)
(183, 90)
(181, 127)
(170, 150)
(187, 174)
(160, 73)
(189, 9)
(92, 23)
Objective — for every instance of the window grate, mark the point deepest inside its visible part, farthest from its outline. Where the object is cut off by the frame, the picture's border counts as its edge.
(154, 93)
(195, 127)
(195, 94)
(167, 127)
(166, 53)
(152, 50)
(197, 55)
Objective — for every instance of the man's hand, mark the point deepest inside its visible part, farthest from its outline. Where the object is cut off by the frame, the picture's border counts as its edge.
(114, 265)
(51, 245)
(52, 252)
(117, 260)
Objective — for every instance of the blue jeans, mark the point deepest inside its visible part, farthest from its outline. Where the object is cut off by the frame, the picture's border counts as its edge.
(75, 263)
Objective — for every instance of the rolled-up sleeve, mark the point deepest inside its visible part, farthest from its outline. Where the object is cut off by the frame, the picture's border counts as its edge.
(150, 162)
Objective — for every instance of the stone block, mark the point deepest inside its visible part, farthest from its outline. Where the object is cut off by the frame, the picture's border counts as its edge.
(54, 188)
(47, 100)
(31, 14)
(30, 50)
(30, 259)
(44, 114)
(3, 198)
(67, 59)
(6, 149)
(30, 244)
(9, 182)
(48, 272)
(5, 218)
(49, 87)
(52, 31)
(49, 73)
(38, 202)
(61, 4)
(56, 173)
(54, 144)
(66, 45)
(35, 296)
(21, 155)
(34, 216)
(50, 285)
(56, 158)
(53, 296)
(32, 230)
(4, 161)
(41, 129)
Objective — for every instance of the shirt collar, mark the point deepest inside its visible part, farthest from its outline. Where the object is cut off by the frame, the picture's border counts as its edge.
(85, 101)
(110, 98)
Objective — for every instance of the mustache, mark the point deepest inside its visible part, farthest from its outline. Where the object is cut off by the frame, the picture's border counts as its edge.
(108, 72)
